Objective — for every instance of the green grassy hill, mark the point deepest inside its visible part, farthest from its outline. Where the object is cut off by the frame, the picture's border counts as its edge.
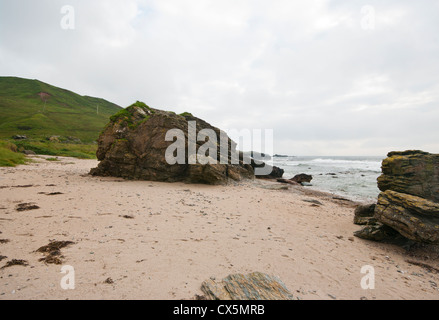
(39, 110)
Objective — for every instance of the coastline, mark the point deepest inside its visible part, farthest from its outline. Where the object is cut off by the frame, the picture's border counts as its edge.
(352, 177)
(155, 240)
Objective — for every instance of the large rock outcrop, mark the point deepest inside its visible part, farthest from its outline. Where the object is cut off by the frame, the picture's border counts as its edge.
(412, 172)
(409, 198)
(133, 146)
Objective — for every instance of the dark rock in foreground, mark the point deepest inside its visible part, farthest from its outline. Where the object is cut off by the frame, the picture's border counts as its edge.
(254, 286)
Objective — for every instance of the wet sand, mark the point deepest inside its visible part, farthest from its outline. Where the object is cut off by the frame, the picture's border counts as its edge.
(152, 240)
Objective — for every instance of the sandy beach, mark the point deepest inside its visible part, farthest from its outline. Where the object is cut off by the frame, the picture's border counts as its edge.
(152, 240)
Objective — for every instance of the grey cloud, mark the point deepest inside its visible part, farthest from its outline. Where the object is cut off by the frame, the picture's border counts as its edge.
(306, 69)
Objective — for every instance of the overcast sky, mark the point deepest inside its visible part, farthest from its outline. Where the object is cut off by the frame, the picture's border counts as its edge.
(329, 77)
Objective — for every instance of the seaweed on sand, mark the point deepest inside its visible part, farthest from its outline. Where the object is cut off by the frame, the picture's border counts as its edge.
(26, 206)
(15, 262)
(52, 251)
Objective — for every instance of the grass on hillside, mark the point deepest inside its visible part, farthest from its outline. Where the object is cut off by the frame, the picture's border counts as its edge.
(57, 122)
(9, 155)
(81, 151)
(37, 109)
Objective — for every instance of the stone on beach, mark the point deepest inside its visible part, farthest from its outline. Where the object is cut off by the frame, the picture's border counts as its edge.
(303, 177)
(253, 286)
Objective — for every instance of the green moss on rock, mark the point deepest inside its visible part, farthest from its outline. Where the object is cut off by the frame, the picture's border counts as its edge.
(123, 114)
(140, 104)
(134, 115)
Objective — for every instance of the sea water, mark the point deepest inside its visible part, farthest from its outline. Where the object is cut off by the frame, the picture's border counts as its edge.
(350, 177)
